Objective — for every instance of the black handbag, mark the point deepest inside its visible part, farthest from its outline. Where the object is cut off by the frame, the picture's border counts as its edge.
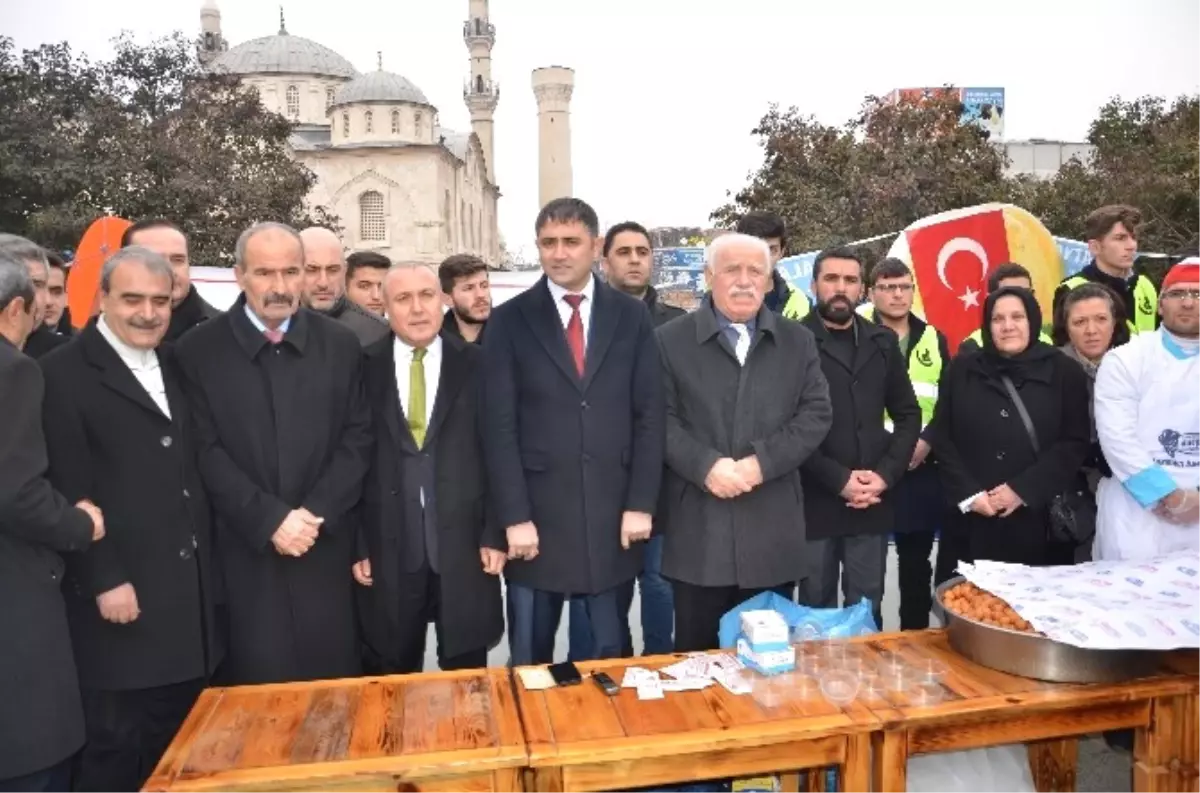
(1072, 512)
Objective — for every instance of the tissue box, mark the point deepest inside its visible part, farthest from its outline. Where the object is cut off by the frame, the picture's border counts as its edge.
(763, 643)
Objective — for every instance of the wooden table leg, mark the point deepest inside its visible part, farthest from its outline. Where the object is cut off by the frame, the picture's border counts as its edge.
(1165, 752)
(814, 779)
(789, 782)
(855, 771)
(1053, 763)
(889, 767)
(549, 780)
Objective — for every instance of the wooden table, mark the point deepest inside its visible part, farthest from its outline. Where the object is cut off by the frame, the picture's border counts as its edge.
(438, 731)
(581, 739)
(982, 707)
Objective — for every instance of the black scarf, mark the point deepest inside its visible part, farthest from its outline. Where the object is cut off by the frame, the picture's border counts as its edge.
(1035, 362)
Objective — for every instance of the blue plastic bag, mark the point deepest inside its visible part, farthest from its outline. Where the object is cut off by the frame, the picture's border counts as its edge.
(804, 623)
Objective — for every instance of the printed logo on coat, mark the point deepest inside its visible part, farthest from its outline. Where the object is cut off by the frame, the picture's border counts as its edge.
(1181, 444)
(924, 357)
(1145, 306)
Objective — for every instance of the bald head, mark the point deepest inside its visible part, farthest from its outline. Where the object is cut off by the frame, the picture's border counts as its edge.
(324, 268)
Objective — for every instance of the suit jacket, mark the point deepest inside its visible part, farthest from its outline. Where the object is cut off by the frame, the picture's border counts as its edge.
(280, 427)
(449, 466)
(573, 454)
(41, 716)
(43, 341)
(368, 327)
(861, 390)
(775, 407)
(660, 313)
(191, 312)
(110, 443)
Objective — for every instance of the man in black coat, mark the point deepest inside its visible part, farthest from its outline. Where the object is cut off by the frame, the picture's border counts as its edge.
(166, 239)
(467, 287)
(325, 286)
(573, 437)
(847, 506)
(140, 602)
(58, 316)
(746, 406)
(41, 718)
(432, 555)
(41, 339)
(284, 437)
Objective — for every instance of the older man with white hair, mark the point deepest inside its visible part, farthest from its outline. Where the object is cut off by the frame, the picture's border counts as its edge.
(746, 406)
(325, 286)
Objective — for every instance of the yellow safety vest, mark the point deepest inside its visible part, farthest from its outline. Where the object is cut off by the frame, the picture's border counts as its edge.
(1145, 303)
(924, 369)
(977, 337)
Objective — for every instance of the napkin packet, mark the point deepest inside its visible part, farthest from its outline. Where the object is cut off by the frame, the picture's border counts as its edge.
(763, 642)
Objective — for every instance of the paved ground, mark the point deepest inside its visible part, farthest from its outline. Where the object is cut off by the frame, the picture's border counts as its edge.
(1100, 768)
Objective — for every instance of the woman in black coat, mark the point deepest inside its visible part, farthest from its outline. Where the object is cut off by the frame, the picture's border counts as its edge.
(999, 486)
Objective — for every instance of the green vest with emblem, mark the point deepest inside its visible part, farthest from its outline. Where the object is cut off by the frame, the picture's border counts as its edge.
(924, 368)
(1145, 303)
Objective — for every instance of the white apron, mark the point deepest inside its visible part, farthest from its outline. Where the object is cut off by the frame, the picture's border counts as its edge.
(1147, 406)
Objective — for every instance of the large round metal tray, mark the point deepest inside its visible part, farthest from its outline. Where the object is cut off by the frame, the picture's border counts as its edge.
(1032, 655)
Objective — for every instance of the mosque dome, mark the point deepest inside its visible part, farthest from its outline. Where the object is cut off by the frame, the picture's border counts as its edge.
(381, 87)
(283, 53)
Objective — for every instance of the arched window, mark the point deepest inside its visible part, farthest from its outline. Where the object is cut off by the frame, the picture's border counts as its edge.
(370, 119)
(345, 124)
(417, 117)
(328, 99)
(395, 122)
(479, 83)
(293, 102)
(371, 225)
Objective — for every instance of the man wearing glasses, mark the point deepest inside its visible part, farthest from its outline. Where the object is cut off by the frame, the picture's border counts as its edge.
(1148, 419)
(917, 496)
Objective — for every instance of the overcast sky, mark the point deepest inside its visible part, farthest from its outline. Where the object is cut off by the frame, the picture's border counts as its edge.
(667, 91)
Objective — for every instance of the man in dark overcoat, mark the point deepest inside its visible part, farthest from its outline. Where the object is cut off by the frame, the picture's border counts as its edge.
(139, 601)
(41, 717)
(746, 406)
(432, 556)
(573, 438)
(284, 437)
(847, 480)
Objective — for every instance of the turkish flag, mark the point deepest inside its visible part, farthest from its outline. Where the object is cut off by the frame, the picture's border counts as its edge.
(952, 260)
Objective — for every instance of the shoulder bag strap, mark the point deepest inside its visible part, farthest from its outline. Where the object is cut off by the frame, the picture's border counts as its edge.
(1020, 405)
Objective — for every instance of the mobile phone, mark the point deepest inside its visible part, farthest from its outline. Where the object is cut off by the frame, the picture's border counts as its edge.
(565, 674)
(605, 682)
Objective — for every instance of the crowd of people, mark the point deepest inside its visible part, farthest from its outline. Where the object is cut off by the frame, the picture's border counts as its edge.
(296, 488)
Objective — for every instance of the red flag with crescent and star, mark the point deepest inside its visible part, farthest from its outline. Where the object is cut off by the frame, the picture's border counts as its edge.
(952, 260)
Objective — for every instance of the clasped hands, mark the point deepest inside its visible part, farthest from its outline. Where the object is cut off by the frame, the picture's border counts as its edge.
(999, 502)
(730, 478)
(298, 533)
(1181, 507)
(863, 489)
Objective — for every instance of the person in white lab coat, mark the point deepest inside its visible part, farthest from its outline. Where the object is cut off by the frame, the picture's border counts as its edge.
(1147, 409)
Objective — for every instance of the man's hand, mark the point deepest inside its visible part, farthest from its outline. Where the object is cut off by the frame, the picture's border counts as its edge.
(750, 470)
(522, 541)
(362, 572)
(297, 534)
(493, 560)
(1181, 507)
(725, 480)
(1004, 500)
(862, 489)
(871, 481)
(982, 505)
(919, 454)
(119, 605)
(97, 517)
(635, 527)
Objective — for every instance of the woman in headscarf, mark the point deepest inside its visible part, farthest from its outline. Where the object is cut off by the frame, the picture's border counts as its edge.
(999, 479)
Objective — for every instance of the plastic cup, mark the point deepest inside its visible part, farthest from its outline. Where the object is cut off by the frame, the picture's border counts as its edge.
(927, 670)
(839, 687)
(892, 663)
(871, 689)
(922, 694)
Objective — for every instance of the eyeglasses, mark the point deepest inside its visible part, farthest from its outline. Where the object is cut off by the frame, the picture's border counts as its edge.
(1181, 294)
(902, 288)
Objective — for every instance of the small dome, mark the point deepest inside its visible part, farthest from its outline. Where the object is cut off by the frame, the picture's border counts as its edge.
(283, 54)
(379, 86)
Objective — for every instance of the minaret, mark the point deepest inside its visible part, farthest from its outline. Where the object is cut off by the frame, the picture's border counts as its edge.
(480, 93)
(552, 87)
(212, 43)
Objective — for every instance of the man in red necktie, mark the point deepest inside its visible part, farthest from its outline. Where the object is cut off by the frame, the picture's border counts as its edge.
(573, 430)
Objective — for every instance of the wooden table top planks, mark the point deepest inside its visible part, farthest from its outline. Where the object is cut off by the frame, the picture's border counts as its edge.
(442, 730)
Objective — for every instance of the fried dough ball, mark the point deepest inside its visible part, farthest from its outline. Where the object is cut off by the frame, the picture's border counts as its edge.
(973, 603)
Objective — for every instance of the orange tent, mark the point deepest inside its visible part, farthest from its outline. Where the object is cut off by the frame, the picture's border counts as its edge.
(101, 240)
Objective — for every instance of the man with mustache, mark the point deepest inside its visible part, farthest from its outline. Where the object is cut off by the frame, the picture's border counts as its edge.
(468, 296)
(325, 286)
(188, 308)
(746, 406)
(139, 602)
(847, 505)
(284, 437)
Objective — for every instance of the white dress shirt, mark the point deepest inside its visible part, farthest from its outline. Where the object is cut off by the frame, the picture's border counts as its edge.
(258, 323)
(432, 363)
(142, 363)
(564, 308)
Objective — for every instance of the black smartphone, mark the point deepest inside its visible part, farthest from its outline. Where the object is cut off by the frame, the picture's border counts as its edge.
(565, 674)
(605, 682)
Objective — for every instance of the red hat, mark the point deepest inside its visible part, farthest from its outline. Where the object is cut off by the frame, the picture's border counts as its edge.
(1186, 272)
